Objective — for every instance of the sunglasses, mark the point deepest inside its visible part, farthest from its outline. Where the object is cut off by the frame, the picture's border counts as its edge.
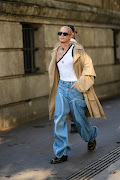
(64, 33)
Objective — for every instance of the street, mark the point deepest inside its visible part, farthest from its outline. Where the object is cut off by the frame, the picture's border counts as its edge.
(25, 151)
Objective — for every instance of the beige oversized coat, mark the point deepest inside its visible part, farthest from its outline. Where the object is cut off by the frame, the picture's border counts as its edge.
(85, 73)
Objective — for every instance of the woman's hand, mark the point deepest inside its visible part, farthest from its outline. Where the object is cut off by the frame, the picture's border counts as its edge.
(72, 86)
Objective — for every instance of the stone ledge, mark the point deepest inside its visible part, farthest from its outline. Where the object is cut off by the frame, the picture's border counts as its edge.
(94, 3)
(61, 10)
(11, 116)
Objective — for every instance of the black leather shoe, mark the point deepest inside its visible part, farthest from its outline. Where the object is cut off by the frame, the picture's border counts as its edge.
(57, 160)
(91, 145)
(73, 129)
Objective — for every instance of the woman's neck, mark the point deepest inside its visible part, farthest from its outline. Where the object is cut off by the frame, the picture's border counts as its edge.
(64, 46)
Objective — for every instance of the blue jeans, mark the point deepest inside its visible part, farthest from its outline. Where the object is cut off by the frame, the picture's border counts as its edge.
(70, 100)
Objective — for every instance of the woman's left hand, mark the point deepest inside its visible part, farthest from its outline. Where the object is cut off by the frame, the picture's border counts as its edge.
(72, 86)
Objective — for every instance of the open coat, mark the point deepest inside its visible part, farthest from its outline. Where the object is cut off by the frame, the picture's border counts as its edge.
(85, 73)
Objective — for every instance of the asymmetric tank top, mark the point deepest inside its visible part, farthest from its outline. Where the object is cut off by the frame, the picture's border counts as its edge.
(65, 66)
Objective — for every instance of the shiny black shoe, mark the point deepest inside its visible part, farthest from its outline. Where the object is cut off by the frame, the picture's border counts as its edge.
(57, 160)
(73, 129)
(91, 145)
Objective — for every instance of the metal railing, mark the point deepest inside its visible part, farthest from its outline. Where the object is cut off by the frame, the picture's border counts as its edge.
(116, 39)
(29, 49)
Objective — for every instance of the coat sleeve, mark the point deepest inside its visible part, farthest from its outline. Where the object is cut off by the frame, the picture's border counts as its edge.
(86, 80)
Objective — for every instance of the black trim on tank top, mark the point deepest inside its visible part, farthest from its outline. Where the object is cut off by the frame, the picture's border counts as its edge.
(64, 54)
(72, 50)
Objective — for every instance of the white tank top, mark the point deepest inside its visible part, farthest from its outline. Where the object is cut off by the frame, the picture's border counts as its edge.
(65, 66)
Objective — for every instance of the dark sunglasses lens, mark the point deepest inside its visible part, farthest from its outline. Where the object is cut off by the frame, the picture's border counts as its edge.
(76, 32)
(59, 33)
(65, 34)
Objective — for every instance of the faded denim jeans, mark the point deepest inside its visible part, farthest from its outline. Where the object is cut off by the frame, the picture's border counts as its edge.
(70, 100)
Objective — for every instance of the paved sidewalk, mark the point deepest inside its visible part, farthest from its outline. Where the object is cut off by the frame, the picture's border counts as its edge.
(25, 152)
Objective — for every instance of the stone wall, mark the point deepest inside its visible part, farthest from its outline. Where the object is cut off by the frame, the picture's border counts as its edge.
(24, 97)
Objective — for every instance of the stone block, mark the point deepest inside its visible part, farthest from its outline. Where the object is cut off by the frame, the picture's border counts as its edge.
(118, 53)
(11, 63)
(37, 109)
(10, 35)
(107, 90)
(85, 36)
(39, 35)
(25, 88)
(23, 112)
(103, 37)
(40, 60)
(51, 37)
(101, 56)
(94, 37)
(107, 74)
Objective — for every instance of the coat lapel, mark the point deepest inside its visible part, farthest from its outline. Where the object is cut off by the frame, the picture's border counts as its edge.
(76, 55)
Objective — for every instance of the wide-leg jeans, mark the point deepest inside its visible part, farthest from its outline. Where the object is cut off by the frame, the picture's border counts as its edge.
(70, 100)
